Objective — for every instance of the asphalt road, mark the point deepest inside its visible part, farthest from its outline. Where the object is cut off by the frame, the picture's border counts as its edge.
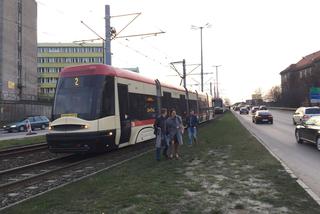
(302, 159)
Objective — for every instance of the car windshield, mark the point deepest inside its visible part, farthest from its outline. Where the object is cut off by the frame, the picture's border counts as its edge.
(313, 111)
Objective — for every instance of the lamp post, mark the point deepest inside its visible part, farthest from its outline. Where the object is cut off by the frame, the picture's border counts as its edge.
(201, 28)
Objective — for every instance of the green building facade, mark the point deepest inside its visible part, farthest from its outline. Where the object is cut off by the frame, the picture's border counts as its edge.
(53, 57)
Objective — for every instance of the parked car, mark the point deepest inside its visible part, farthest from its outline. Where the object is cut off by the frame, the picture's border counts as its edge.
(302, 114)
(263, 107)
(254, 109)
(36, 122)
(309, 131)
(262, 116)
(243, 110)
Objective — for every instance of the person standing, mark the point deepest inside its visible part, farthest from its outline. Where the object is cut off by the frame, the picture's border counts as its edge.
(160, 129)
(192, 123)
(174, 127)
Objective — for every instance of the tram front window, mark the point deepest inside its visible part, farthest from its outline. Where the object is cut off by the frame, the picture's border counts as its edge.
(86, 97)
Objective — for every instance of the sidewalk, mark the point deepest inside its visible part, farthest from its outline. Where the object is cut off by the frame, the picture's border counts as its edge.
(19, 135)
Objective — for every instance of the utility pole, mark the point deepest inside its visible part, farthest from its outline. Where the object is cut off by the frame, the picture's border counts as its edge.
(217, 79)
(184, 73)
(107, 40)
(211, 88)
(201, 28)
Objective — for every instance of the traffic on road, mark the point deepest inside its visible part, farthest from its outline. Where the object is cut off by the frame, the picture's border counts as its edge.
(294, 145)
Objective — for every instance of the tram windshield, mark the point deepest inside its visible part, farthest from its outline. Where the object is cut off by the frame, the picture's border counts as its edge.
(86, 97)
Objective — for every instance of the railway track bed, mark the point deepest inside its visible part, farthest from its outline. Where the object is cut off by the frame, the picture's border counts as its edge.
(23, 184)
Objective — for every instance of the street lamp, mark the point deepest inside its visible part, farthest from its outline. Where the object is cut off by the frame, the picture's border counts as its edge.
(193, 27)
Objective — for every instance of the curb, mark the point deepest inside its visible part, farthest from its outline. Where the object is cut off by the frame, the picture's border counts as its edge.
(314, 196)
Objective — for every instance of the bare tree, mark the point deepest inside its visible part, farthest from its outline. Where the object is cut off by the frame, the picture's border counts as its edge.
(273, 95)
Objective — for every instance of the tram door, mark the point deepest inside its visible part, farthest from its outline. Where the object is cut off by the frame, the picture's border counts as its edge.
(125, 121)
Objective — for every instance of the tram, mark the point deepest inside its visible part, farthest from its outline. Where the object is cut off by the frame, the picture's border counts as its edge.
(99, 108)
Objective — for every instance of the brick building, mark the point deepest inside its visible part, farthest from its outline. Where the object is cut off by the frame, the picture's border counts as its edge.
(297, 79)
(18, 50)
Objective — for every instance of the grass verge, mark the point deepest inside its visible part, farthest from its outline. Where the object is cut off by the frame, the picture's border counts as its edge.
(228, 172)
(22, 141)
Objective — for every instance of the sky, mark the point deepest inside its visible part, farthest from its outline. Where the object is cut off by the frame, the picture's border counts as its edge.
(252, 40)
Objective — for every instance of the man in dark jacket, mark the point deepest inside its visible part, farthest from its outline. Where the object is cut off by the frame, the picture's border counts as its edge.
(192, 123)
(160, 130)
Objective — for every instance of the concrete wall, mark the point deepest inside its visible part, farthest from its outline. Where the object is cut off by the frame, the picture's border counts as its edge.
(14, 111)
(9, 50)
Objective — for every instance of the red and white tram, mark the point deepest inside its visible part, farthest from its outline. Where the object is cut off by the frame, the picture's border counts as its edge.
(99, 107)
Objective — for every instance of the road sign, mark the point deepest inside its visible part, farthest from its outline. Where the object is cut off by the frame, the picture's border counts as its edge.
(314, 95)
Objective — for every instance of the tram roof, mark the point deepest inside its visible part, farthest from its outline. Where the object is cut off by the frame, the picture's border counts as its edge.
(101, 69)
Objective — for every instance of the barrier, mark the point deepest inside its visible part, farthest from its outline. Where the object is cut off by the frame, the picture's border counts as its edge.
(282, 108)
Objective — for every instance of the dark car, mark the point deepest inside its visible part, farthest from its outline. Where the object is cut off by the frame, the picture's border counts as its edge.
(263, 107)
(254, 109)
(262, 117)
(309, 131)
(40, 122)
(244, 110)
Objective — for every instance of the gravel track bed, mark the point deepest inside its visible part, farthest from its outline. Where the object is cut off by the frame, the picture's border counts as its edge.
(25, 159)
(62, 177)
(30, 171)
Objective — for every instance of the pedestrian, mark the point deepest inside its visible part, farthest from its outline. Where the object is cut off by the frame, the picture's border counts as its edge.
(174, 127)
(160, 129)
(192, 123)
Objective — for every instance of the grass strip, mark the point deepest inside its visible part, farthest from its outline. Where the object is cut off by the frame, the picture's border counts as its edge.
(22, 141)
(228, 172)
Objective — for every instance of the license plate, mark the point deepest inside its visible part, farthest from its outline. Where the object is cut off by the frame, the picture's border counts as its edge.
(265, 120)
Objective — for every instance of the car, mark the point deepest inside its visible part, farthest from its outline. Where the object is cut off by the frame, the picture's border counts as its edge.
(36, 122)
(243, 110)
(263, 107)
(254, 109)
(309, 131)
(262, 116)
(302, 114)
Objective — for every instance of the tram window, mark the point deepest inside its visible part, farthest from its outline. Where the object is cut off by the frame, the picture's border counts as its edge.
(142, 106)
(108, 98)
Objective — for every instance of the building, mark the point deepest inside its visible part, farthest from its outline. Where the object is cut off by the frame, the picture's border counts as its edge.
(297, 79)
(53, 57)
(18, 50)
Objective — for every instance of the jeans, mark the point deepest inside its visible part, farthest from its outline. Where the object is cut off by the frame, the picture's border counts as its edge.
(158, 152)
(192, 133)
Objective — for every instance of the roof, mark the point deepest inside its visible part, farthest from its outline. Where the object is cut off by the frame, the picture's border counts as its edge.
(101, 69)
(59, 45)
(305, 62)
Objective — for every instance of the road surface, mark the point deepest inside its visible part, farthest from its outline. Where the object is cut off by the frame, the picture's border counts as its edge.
(302, 159)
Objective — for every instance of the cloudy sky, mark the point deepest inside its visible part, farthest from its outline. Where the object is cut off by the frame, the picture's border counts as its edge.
(252, 40)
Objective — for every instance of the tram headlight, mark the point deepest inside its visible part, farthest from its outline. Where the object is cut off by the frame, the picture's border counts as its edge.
(50, 128)
(85, 126)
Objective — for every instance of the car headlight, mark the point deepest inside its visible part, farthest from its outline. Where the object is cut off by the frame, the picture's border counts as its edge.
(13, 126)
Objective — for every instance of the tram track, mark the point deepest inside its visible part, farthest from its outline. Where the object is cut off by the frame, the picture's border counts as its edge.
(24, 155)
(16, 191)
(22, 150)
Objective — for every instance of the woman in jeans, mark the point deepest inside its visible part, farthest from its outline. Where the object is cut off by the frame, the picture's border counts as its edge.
(174, 129)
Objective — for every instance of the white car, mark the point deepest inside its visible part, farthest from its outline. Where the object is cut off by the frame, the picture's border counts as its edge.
(302, 114)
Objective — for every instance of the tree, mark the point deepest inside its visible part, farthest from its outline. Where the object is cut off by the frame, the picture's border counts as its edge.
(227, 102)
(274, 94)
(257, 95)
